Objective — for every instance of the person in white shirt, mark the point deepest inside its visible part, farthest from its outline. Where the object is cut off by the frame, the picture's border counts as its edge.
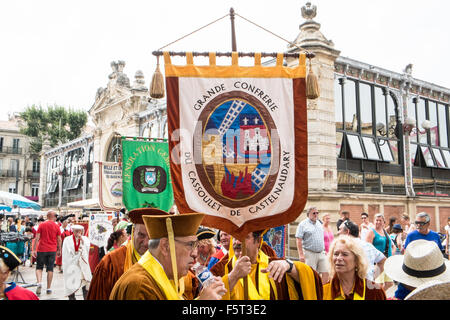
(365, 226)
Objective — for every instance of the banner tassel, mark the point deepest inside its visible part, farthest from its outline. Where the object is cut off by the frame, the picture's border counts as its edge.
(312, 84)
(157, 85)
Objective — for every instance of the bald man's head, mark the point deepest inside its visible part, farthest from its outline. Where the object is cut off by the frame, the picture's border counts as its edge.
(51, 215)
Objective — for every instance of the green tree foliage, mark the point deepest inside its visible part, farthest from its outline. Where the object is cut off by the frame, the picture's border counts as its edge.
(56, 122)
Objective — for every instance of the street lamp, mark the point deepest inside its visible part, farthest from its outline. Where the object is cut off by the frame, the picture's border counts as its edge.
(410, 126)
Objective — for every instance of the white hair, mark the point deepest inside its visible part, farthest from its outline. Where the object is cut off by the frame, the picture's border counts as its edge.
(424, 215)
(379, 215)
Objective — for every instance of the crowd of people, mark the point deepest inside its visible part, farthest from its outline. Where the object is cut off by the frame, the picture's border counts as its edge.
(155, 255)
(377, 250)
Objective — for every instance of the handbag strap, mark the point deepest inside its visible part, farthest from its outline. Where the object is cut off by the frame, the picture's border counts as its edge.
(386, 250)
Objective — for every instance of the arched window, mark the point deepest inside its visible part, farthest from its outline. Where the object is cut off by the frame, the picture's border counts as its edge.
(114, 153)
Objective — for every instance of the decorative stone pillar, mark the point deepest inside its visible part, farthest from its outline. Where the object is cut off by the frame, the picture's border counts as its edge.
(322, 166)
(43, 170)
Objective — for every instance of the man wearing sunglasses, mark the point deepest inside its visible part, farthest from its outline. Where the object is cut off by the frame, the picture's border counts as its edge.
(423, 232)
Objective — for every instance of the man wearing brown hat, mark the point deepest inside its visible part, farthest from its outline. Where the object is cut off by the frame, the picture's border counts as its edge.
(115, 263)
(171, 252)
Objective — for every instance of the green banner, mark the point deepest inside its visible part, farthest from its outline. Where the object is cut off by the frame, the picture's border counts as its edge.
(146, 174)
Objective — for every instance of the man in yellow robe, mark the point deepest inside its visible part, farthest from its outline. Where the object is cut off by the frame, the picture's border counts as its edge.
(171, 252)
(268, 277)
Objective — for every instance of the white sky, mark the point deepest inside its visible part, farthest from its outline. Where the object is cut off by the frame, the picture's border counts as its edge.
(59, 51)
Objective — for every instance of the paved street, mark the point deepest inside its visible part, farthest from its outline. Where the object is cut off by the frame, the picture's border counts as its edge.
(29, 277)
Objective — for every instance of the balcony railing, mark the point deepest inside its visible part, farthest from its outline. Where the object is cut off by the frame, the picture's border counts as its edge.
(10, 173)
(33, 175)
(10, 150)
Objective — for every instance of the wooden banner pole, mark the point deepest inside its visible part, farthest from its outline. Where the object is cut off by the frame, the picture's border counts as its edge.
(233, 31)
(244, 253)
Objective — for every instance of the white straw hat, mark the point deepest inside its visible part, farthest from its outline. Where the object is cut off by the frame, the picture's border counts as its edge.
(422, 262)
(433, 290)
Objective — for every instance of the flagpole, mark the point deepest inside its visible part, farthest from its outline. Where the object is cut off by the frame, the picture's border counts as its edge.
(233, 31)
(234, 49)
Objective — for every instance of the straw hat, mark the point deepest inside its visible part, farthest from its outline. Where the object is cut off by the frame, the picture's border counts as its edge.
(433, 290)
(422, 262)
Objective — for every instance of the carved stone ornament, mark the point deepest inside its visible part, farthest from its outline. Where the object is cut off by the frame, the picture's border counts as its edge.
(309, 12)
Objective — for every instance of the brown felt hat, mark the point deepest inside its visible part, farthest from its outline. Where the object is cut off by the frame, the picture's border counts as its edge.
(183, 224)
(135, 215)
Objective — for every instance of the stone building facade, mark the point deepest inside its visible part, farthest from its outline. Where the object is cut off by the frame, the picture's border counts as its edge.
(120, 109)
(363, 153)
(19, 166)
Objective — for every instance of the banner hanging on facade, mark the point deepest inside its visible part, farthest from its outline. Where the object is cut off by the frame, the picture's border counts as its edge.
(110, 184)
(146, 174)
(238, 142)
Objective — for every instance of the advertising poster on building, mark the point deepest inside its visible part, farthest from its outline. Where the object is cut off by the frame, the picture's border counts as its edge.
(146, 174)
(110, 184)
(100, 228)
(238, 139)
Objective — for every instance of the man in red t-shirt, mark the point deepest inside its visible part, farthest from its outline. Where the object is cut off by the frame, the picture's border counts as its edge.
(48, 243)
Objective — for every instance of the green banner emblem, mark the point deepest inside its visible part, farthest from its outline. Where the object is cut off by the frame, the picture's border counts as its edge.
(146, 174)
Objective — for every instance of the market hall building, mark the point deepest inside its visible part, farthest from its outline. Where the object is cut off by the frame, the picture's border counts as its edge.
(70, 180)
(378, 140)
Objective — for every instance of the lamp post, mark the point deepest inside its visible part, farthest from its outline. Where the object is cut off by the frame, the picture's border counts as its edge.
(408, 125)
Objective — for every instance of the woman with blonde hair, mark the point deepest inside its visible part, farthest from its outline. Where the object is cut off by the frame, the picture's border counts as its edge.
(348, 269)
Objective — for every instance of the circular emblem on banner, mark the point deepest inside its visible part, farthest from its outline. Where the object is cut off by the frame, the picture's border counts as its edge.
(239, 149)
(149, 179)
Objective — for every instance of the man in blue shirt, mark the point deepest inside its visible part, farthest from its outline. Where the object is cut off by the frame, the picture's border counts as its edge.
(422, 232)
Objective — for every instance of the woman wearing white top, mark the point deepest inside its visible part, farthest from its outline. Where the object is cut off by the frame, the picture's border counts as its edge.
(365, 226)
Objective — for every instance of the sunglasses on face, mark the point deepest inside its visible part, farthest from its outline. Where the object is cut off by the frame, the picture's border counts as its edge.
(420, 223)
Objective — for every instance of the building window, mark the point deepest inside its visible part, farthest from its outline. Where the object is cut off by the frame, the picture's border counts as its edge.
(15, 165)
(36, 166)
(432, 143)
(366, 117)
(35, 189)
(15, 146)
(368, 137)
(12, 188)
(114, 153)
(52, 176)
